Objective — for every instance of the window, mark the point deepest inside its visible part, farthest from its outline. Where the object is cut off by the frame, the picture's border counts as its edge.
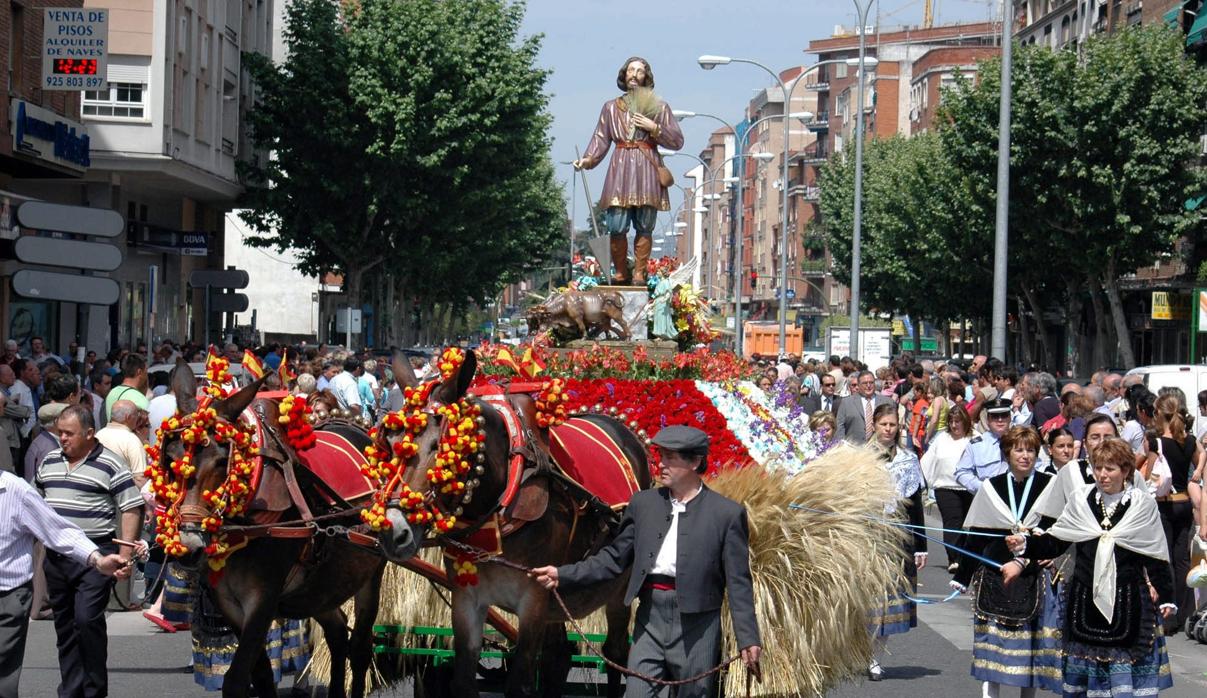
(840, 70)
(126, 100)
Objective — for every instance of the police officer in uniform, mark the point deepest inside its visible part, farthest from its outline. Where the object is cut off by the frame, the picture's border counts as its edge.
(983, 457)
(687, 546)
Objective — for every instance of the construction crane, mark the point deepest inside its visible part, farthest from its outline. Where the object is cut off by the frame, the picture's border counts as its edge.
(928, 14)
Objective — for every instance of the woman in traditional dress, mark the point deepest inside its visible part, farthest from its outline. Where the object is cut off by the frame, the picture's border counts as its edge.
(899, 613)
(1171, 440)
(1121, 587)
(1016, 631)
(939, 470)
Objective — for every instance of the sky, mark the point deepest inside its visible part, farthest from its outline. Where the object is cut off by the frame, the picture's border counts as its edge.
(585, 42)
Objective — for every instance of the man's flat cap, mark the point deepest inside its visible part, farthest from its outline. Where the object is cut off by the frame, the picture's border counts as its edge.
(689, 440)
(999, 406)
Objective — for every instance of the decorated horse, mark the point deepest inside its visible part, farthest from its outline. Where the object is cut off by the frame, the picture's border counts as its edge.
(246, 485)
(506, 472)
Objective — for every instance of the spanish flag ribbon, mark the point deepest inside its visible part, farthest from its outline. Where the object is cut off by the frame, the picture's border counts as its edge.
(252, 364)
(506, 358)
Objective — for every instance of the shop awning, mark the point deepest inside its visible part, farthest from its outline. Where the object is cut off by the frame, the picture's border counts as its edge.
(1198, 31)
(1173, 18)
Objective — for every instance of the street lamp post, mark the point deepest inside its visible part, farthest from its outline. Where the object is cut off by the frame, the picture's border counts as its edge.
(709, 62)
(1001, 229)
(856, 241)
(573, 215)
(739, 143)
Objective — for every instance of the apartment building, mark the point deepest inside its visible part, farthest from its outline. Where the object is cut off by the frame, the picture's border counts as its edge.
(25, 153)
(165, 135)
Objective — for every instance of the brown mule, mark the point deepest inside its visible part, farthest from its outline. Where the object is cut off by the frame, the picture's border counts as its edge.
(273, 576)
(569, 529)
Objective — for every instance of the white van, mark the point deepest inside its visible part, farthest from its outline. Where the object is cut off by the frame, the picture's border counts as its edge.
(1191, 379)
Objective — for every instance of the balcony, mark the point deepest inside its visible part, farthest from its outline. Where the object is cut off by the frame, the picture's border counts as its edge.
(813, 155)
(811, 194)
(814, 267)
(818, 85)
(820, 122)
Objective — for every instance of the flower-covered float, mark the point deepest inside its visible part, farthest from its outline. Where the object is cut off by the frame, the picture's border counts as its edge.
(763, 455)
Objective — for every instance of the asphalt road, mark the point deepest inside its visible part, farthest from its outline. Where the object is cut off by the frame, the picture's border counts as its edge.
(931, 660)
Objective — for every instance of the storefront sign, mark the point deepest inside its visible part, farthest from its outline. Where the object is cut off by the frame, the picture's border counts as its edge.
(1170, 306)
(45, 135)
(75, 48)
(1201, 296)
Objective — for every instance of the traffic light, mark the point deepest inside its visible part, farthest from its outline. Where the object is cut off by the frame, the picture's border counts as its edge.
(754, 279)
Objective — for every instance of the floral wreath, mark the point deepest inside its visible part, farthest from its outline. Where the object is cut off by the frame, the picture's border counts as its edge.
(231, 498)
(199, 429)
(455, 467)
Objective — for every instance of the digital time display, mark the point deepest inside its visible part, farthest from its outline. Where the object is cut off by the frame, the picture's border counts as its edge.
(75, 66)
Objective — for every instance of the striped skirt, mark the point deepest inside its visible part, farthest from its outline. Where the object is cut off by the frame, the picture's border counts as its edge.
(179, 594)
(1127, 672)
(897, 614)
(1028, 656)
(214, 644)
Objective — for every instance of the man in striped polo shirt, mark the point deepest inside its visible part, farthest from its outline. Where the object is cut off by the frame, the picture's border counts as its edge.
(92, 488)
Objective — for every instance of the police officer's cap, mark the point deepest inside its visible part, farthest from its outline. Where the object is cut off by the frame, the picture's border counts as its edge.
(687, 440)
(999, 406)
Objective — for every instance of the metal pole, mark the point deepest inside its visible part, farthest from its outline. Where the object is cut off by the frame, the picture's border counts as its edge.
(1001, 231)
(739, 270)
(573, 221)
(207, 316)
(783, 290)
(856, 242)
(348, 330)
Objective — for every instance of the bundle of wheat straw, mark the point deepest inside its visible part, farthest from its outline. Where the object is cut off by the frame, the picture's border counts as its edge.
(815, 575)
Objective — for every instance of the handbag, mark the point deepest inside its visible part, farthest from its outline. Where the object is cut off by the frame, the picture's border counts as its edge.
(1160, 479)
(1013, 606)
(665, 177)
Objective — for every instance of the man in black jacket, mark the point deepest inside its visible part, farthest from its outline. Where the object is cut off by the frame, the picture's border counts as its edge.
(686, 546)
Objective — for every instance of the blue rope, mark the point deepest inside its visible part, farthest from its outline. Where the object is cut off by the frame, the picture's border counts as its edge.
(994, 564)
(896, 523)
(954, 593)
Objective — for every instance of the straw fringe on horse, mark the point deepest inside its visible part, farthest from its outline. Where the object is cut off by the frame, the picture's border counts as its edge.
(815, 575)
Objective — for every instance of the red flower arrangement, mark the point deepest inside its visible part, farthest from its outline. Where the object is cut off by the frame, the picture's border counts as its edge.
(648, 406)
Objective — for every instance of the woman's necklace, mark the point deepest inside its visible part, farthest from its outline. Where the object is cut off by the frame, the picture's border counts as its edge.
(1108, 509)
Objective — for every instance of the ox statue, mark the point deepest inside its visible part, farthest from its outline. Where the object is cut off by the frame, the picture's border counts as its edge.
(580, 314)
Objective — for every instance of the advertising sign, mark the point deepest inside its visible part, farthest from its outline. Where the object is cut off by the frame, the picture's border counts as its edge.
(875, 344)
(1167, 305)
(75, 48)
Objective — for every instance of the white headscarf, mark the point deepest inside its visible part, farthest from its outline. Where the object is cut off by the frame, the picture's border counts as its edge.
(1139, 531)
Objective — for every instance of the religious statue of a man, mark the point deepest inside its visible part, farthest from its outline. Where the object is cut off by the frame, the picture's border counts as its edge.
(638, 123)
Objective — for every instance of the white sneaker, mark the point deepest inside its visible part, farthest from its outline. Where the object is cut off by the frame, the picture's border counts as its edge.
(875, 671)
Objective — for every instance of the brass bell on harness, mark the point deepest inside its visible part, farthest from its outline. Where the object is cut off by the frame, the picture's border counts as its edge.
(480, 420)
(479, 470)
(458, 511)
(469, 497)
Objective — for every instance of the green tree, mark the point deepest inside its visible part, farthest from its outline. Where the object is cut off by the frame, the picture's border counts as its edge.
(1102, 151)
(411, 135)
(917, 255)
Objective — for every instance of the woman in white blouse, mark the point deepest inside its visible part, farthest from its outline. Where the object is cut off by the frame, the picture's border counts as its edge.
(939, 467)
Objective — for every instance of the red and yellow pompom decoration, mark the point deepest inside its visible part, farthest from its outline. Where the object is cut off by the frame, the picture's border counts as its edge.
(465, 572)
(217, 375)
(295, 421)
(454, 467)
(551, 404)
(200, 429)
(450, 362)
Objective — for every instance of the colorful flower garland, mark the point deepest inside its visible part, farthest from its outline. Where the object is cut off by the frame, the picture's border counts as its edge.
(459, 451)
(198, 430)
(551, 404)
